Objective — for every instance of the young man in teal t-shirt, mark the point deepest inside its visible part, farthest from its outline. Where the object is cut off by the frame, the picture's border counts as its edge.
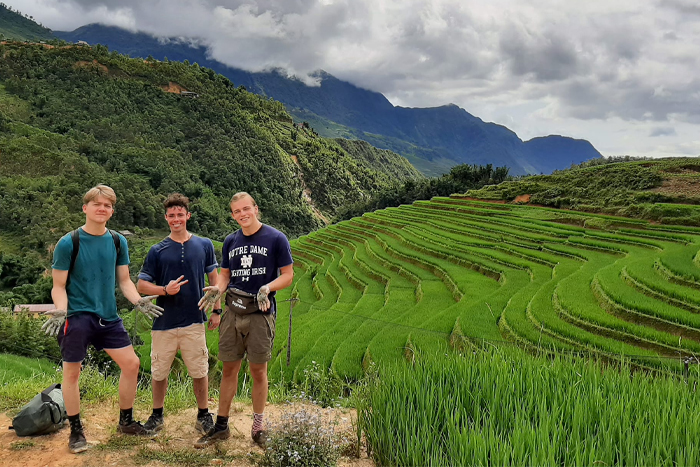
(86, 310)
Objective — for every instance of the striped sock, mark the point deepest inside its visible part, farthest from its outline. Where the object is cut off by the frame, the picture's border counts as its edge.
(257, 423)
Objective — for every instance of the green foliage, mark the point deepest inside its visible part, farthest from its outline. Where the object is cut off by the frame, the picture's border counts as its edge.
(458, 180)
(21, 334)
(72, 117)
(633, 187)
(503, 407)
(15, 25)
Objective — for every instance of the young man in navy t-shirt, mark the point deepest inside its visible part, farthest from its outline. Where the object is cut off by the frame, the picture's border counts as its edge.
(174, 270)
(256, 262)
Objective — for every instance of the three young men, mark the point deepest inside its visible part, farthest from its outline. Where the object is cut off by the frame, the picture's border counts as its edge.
(174, 270)
(86, 309)
(256, 262)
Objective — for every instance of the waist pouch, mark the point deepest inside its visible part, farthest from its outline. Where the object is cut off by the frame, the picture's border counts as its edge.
(241, 303)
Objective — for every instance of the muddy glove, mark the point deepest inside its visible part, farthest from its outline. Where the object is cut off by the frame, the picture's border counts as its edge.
(146, 307)
(53, 325)
(211, 298)
(263, 301)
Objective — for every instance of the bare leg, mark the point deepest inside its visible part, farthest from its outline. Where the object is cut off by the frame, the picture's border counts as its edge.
(70, 388)
(159, 389)
(259, 373)
(201, 391)
(129, 364)
(229, 386)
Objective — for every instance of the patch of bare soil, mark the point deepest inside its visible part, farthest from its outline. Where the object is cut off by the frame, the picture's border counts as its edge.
(173, 87)
(110, 449)
(684, 186)
(84, 63)
(522, 199)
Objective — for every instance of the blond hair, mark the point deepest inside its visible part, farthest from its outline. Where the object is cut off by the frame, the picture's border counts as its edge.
(100, 190)
(241, 195)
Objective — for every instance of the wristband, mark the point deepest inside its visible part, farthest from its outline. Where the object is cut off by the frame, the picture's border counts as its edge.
(165, 290)
(218, 312)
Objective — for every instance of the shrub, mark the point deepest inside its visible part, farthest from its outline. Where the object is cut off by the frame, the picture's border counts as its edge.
(300, 439)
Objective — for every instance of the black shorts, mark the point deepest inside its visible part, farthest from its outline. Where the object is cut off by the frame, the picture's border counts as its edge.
(88, 328)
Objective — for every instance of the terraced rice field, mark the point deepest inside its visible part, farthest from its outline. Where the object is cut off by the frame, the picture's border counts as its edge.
(455, 272)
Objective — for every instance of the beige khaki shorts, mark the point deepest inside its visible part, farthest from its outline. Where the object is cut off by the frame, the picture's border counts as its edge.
(251, 334)
(192, 344)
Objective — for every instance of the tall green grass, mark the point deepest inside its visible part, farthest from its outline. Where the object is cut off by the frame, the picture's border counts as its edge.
(505, 407)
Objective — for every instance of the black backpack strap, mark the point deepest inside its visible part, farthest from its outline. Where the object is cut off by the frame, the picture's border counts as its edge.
(75, 238)
(117, 242)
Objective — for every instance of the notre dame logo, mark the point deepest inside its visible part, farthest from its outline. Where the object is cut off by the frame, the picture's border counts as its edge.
(246, 261)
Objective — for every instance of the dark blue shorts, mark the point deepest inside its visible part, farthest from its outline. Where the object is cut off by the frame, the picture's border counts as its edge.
(88, 328)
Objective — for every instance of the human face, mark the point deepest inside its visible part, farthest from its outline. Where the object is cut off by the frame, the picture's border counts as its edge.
(99, 210)
(245, 213)
(177, 218)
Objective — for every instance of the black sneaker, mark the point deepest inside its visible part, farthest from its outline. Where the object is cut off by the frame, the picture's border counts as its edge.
(154, 423)
(212, 436)
(260, 438)
(204, 424)
(133, 428)
(77, 442)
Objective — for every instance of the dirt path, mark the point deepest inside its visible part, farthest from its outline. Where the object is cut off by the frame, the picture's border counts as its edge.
(172, 446)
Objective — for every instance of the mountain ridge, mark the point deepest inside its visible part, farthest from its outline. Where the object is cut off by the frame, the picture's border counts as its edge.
(433, 138)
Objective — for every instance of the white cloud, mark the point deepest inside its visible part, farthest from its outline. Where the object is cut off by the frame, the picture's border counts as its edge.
(619, 73)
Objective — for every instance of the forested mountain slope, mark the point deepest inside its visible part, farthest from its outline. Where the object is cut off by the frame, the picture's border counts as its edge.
(75, 116)
(661, 190)
(14, 25)
(433, 139)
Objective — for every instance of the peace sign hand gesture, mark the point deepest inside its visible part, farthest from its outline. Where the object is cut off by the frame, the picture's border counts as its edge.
(173, 286)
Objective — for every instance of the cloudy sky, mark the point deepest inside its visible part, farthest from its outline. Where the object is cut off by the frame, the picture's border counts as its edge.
(623, 74)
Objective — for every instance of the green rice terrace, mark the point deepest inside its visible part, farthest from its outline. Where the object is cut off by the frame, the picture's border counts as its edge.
(454, 272)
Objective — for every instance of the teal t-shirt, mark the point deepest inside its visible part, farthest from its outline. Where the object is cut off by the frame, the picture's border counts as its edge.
(92, 280)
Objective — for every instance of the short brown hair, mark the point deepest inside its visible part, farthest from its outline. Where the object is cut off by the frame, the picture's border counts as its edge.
(177, 199)
(100, 190)
(240, 195)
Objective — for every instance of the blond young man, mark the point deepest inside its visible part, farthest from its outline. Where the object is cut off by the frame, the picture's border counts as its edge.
(256, 262)
(86, 310)
(174, 270)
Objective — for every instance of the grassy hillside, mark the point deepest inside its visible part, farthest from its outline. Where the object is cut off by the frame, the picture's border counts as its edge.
(14, 25)
(72, 117)
(453, 272)
(662, 190)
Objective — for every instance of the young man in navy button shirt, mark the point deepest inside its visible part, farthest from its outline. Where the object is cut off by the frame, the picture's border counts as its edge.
(256, 262)
(174, 270)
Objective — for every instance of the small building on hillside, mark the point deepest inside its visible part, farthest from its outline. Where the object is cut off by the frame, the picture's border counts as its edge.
(34, 310)
(191, 94)
(126, 233)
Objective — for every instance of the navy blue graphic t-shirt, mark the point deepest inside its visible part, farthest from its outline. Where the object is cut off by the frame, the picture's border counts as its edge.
(255, 260)
(168, 260)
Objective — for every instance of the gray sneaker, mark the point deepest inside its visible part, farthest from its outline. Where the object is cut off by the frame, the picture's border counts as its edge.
(134, 428)
(77, 442)
(154, 423)
(204, 424)
(212, 437)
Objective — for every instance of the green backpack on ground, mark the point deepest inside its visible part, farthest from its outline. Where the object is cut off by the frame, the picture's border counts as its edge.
(42, 415)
